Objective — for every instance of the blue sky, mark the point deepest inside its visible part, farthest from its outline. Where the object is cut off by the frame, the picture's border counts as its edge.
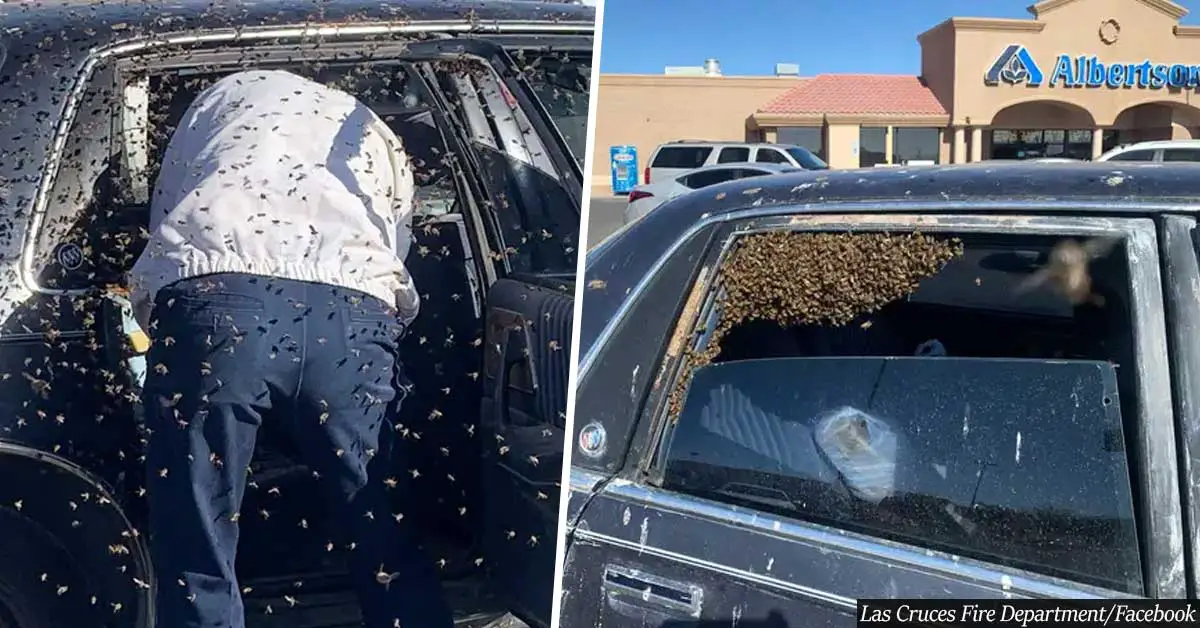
(751, 36)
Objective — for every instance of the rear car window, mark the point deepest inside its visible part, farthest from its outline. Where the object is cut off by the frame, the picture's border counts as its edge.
(687, 157)
(941, 391)
(706, 178)
(806, 159)
(1181, 154)
(1134, 155)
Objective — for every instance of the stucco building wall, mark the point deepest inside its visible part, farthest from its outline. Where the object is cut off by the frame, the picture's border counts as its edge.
(951, 104)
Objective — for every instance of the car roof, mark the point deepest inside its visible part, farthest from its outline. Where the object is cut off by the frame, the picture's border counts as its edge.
(1123, 186)
(48, 42)
(77, 26)
(713, 144)
(1154, 144)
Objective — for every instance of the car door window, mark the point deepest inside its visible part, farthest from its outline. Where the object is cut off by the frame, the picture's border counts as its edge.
(771, 156)
(682, 157)
(1181, 154)
(99, 205)
(563, 83)
(877, 407)
(733, 154)
(1134, 155)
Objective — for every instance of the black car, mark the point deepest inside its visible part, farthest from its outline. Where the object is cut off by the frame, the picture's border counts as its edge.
(968, 381)
(490, 99)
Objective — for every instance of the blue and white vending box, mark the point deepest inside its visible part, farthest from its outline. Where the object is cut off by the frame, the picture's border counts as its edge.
(623, 160)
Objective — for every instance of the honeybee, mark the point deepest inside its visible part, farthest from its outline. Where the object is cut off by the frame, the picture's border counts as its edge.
(1067, 270)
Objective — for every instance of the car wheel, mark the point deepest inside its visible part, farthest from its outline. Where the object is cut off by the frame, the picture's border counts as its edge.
(40, 585)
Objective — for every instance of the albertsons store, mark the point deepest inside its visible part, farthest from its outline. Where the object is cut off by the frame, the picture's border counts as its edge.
(1078, 78)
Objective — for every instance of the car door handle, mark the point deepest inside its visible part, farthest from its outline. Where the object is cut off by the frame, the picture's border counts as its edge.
(513, 355)
(634, 584)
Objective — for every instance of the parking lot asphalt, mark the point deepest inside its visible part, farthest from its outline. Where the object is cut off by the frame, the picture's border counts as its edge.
(604, 217)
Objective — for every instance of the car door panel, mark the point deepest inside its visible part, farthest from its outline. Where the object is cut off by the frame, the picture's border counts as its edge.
(739, 563)
(748, 564)
(526, 360)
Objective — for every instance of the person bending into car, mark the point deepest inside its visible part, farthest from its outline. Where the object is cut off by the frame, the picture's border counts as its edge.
(274, 289)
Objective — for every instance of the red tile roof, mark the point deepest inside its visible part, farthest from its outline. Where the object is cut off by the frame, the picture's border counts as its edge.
(880, 94)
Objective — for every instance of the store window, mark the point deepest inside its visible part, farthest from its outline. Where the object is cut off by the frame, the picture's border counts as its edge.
(810, 137)
(872, 146)
(1038, 143)
(916, 144)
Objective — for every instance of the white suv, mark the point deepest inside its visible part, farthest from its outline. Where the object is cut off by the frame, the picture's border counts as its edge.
(674, 158)
(1162, 150)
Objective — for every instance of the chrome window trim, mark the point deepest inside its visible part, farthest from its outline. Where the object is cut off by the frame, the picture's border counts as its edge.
(1159, 516)
(1016, 581)
(83, 76)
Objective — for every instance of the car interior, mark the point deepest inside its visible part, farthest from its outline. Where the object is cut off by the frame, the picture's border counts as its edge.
(750, 437)
(436, 445)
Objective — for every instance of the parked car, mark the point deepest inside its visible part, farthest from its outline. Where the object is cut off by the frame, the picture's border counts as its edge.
(91, 92)
(645, 197)
(800, 391)
(674, 158)
(1162, 150)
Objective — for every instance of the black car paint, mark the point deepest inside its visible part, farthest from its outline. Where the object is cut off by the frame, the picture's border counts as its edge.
(69, 450)
(610, 491)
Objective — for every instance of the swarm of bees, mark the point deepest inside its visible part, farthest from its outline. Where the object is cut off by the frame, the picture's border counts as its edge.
(96, 220)
(802, 278)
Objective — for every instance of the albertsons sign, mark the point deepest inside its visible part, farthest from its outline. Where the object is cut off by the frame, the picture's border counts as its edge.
(1016, 66)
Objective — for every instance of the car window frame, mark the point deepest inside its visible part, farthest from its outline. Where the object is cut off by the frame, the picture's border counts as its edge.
(116, 62)
(1180, 245)
(1158, 508)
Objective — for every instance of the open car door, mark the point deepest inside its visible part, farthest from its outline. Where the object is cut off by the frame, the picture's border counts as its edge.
(526, 363)
(532, 182)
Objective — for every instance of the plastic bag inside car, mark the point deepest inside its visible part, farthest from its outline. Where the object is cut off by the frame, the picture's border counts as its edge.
(863, 450)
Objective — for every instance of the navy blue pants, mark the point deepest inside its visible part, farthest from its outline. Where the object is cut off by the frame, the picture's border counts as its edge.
(230, 352)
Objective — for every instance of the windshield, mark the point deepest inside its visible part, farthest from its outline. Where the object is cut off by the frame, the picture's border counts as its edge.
(1015, 461)
(563, 85)
(805, 158)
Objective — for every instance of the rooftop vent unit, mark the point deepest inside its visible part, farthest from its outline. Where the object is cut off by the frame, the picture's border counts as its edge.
(712, 67)
(683, 70)
(787, 69)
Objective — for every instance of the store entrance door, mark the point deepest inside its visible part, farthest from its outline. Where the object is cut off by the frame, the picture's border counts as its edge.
(1037, 143)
